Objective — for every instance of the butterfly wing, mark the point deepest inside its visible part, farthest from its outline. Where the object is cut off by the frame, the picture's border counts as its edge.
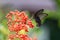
(42, 16)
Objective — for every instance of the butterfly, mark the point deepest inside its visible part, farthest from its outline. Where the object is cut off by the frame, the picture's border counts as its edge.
(39, 15)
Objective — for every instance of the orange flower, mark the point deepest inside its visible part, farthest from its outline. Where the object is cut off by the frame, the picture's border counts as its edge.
(18, 23)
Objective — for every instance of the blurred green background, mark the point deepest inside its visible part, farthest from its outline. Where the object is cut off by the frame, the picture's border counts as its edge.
(49, 30)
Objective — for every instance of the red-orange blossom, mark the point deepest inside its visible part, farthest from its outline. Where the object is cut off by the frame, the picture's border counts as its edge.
(18, 21)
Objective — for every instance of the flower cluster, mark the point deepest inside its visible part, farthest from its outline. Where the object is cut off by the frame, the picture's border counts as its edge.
(18, 21)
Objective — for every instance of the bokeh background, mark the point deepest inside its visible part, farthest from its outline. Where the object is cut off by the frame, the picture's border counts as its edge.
(50, 28)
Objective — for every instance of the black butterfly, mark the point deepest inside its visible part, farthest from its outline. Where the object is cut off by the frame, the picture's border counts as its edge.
(39, 15)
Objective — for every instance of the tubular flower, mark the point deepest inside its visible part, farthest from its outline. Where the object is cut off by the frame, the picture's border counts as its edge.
(18, 21)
